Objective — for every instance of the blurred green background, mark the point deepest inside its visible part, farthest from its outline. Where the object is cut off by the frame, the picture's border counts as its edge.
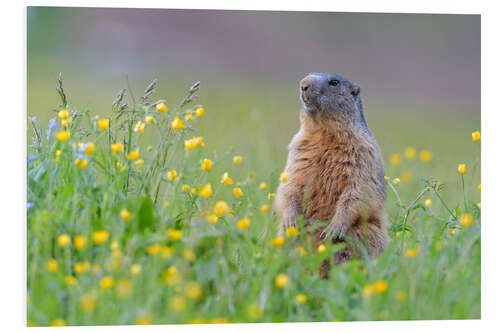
(419, 74)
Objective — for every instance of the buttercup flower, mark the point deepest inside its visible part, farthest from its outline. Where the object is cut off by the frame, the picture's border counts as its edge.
(63, 135)
(135, 269)
(206, 191)
(174, 234)
(80, 242)
(476, 136)
(177, 123)
(212, 218)
(200, 111)
(185, 188)
(301, 298)
(171, 175)
(395, 159)
(100, 236)
(125, 214)
(466, 220)
(284, 177)
(428, 203)
(161, 107)
(462, 168)
(237, 192)
(221, 208)
(103, 123)
(206, 164)
(410, 153)
(411, 253)
(265, 208)
(380, 286)
(149, 119)
(396, 181)
(133, 155)
(243, 223)
(139, 127)
(63, 114)
(226, 180)
(321, 248)
(63, 240)
(406, 176)
(193, 290)
(107, 282)
(117, 147)
(263, 186)
(278, 241)
(52, 265)
(281, 281)
(426, 155)
(292, 231)
(237, 160)
(189, 117)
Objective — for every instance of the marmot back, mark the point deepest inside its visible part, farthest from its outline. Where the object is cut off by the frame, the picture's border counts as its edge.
(335, 169)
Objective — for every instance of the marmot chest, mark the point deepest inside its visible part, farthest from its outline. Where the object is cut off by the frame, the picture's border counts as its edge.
(332, 166)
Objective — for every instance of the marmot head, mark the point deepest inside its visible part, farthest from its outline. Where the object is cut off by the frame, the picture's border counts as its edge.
(331, 97)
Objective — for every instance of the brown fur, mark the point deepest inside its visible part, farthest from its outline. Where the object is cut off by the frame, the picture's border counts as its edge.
(335, 175)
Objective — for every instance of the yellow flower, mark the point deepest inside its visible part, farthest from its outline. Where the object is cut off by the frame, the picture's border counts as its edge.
(66, 122)
(125, 214)
(479, 205)
(466, 220)
(166, 252)
(237, 160)
(291, 231)
(166, 204)
(428, 203)
(177, 123)
(81, 267)
(380, 286)
(63, 114)
(80, 242)
(265, 208)
(206, 191)
(300, 250)
(479, 187)
(139, 127)
(198, 141)
(398, 233)
(321, 248)
(226, 180)
(161, 107)
(100, 236)
(185, 188)
(146, 319)
(426, 155)
(462, 168)
(221, 208)
(174, 234)
(200, 111)
(189, 255)
(58, 322)
(103, 123)
(263, 186)
(149, 119)
(237, 192)
(284, 177)
(410, 153)
(278, 241)
(135, 269)
(206, 164)
(193, 192)
(212, 218)
(63, 240)
(193, 290)
(301, 298)
(171, 175)
(254, 312)
(368, 290)
(189, 144)
(270, 196)
(83, 164)
(88, 302)
(90, 148)
(133, 155)
(178, 303)
(401, 296)
(281, 281)
(243, 223)
(70, 280)
(396, 181)
(154, 249)
(58, 153)
(411, 253)
(52, 265)
(189, 117)
(171, 276)
(117, 147)
(63, 135)
(124, 287)
(476, 136)
(107, 282)
(406, 176)
(395, 159)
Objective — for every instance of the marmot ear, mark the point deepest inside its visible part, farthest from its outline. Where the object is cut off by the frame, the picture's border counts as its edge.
(355, 89)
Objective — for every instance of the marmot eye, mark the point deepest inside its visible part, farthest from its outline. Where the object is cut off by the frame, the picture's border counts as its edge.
(333, 82)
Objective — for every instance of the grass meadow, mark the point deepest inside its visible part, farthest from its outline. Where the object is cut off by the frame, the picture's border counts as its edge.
(159, 211)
